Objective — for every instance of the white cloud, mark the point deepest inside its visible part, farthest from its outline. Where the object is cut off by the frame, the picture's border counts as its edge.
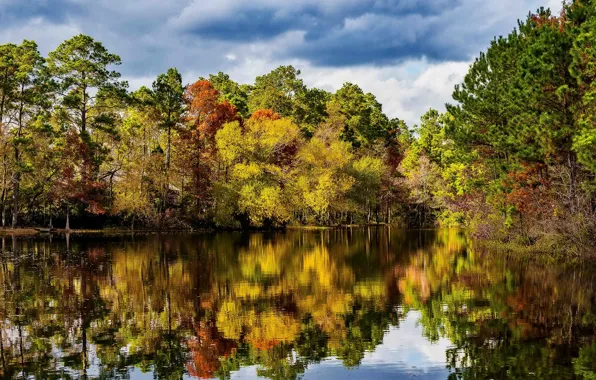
(407, 345)
(149, 44)
(48, 36)
(406, 90)
(404, 93)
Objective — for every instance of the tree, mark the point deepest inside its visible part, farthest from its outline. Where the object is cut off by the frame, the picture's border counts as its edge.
(521, 124)
(30, 105)
(322, 177)
(168, 100)
(88, 94)
(8, 69)
(365, 121)
(257, 161)
(231, 91)
(205, 115)
(276, 91)
(310, 109)
(142, 170)
(583, 55)
(367, 172)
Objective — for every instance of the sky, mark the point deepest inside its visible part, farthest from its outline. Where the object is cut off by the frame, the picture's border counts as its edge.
(409, 53)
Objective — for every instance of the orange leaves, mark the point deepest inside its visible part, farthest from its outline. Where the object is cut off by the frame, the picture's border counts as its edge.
(550, 21)
(205, 114)
(200, 97)
(528, 190)
(264, 114)
(206, 349)
(204, 110)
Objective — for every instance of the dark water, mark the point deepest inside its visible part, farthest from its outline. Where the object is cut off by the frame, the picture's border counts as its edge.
(326, 304)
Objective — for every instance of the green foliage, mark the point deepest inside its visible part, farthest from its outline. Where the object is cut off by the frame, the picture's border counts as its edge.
(523, 131)
(168, 102)
(276, 91)
(232, 92)
(285, 93)
(365, 121)
(81, 65)
(167, 97)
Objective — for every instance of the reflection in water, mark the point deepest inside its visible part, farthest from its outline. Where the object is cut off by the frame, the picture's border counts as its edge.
(374, 302)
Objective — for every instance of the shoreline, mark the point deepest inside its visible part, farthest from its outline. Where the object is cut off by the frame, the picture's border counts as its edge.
(34, 231)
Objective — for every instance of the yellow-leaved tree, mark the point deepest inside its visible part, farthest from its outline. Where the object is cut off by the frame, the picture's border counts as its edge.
(257, 160)
(322, 177)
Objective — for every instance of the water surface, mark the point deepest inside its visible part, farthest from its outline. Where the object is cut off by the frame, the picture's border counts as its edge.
(361, 303)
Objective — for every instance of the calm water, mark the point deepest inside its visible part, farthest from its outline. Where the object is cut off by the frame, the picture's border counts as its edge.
(326, 304)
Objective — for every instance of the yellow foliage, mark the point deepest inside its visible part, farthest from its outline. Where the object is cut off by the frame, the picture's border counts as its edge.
(229, 142)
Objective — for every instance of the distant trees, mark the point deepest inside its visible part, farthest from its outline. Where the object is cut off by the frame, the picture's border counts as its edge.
(215, 152)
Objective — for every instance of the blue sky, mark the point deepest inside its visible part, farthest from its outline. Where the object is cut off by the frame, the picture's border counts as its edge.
(409, 53)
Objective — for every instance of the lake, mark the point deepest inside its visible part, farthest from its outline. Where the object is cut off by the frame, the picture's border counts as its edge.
(328, 304)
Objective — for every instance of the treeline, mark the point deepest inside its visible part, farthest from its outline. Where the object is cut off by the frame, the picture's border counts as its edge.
(514, 157)
(76, 145)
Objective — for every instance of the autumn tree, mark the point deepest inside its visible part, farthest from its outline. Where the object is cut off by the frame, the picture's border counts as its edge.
(257, 159)
(88, 97)
(142, 179)
(205, 115)
(322, 177)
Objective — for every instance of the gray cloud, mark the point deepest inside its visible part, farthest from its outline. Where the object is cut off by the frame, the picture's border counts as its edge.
(205, 36)
(335, 33)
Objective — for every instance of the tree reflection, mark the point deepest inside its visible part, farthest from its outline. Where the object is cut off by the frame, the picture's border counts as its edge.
(208, 305)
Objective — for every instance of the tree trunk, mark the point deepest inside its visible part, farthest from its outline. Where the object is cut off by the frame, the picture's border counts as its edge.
(15, 199)
(16, 178)
(571, 162)
(3, 200)
(67, 228)
(3, 210)
(168, 148)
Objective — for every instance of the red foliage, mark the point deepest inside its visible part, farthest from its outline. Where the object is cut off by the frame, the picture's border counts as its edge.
(527, 190)
(205, 111)
(264, 114)
(552, 21)
(76, 181)
(206, 115)
(206, 349)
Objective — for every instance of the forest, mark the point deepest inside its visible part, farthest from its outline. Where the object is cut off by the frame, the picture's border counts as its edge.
(513, 158)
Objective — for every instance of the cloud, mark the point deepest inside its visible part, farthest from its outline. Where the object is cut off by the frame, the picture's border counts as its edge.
(47, 35)
(56, 11)
(339, 33)
(409, 53)
(406, 90)
(348, 32)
